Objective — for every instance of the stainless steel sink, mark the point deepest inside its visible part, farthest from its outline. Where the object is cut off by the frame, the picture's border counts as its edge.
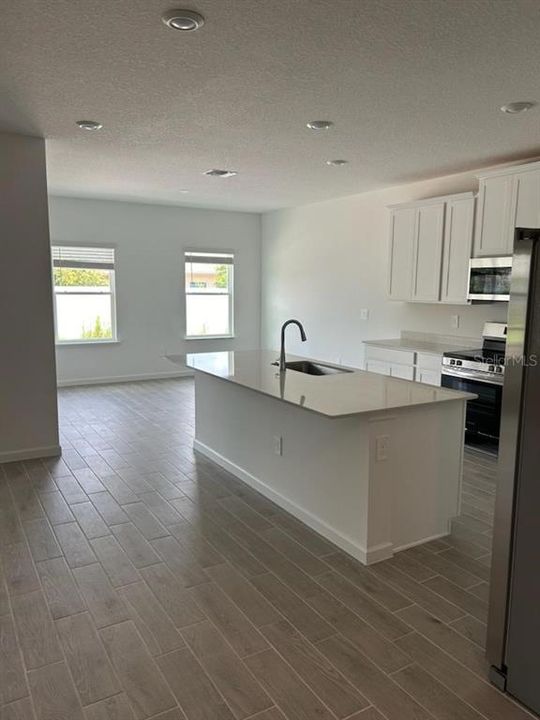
(311, 368)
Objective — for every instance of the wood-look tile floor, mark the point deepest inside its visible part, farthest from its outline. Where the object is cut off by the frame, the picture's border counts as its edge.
(141, 581)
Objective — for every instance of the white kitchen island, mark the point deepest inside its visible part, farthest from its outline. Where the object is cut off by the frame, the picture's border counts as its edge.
(370, 462)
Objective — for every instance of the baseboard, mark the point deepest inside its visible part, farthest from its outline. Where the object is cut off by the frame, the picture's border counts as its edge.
(406, 546)
(364, 555)
(125, 378)
(30, 453)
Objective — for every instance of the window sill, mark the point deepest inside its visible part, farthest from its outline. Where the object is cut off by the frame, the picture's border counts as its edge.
(209, 337)
(84, 343)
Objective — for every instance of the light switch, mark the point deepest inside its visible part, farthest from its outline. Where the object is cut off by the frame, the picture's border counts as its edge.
(364, 314)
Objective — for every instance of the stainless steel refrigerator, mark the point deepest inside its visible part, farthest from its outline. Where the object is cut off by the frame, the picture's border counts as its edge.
(513, 644)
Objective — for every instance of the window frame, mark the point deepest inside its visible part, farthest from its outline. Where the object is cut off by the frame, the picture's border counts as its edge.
(112, 294)
(230, 294)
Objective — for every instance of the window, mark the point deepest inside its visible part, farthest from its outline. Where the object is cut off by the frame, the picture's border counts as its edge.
(83, 280)
(209, 294)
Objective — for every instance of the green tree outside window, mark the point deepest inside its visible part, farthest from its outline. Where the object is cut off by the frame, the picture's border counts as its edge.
(222, 276)
(79, 277)
(98, 331)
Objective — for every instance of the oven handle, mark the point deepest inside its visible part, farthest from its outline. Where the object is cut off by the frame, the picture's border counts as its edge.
(465, 375)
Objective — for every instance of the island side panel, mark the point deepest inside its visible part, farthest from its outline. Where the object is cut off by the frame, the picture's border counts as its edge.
(322, 475)
(333, 475)
(425, 468)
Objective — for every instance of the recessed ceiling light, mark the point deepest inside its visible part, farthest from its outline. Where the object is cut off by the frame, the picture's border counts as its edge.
(319, 124)
(337, 163)
(89, 125)
(183, 192)
(517, 107)
(220, 173)
(184, 20)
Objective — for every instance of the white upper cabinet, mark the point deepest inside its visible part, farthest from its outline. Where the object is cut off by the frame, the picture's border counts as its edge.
(495, 220)
(427, 255)
(458, 238)
(402, 231)
(527, 199)
(432, 241)
(507, 199)
(430, 249)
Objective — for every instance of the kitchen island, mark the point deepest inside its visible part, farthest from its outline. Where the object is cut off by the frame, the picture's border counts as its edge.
(372, 463)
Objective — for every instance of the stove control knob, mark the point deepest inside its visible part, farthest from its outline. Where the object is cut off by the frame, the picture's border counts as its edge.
(458, 362)
(452, 362)
(491, 368)
(499, 369)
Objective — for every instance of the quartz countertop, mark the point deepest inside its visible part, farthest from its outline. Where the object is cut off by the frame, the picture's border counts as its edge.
(337, 395)
(422, 346)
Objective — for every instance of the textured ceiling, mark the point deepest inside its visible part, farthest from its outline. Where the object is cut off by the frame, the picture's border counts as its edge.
(413, 87)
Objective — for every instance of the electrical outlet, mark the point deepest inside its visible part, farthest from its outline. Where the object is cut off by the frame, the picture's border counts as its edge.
(278, 445)
(364, 314)
(454, 321)
(382, 447)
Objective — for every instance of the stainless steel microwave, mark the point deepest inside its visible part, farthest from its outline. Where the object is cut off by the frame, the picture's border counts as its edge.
(489, 279)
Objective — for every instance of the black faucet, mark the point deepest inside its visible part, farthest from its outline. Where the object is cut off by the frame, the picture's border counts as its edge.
(282, 363)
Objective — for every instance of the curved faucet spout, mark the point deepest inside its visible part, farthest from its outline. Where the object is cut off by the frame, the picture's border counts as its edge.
(282, 363)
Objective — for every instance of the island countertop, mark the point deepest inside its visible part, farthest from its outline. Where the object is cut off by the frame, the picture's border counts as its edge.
(336, 395)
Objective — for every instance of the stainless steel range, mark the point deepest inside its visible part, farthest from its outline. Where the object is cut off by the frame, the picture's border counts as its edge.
(481, 372)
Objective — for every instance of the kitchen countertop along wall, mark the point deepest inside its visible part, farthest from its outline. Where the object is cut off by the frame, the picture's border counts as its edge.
(426, 343)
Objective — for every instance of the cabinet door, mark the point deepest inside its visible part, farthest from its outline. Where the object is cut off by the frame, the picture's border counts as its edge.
(429, 377)
(402, 371)
(378, 366)
(458, 238)
(402, 227)
(528, 199)
(428, 253)
(495, 218)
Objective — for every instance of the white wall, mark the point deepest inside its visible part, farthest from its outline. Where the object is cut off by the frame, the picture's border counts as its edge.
(28, 415)
(322, 263)
(150, 241)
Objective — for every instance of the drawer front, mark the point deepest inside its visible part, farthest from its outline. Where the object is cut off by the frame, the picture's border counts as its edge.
(406, 372)
(378, 366)
(427, 361)
(428, 377)
(401, 357)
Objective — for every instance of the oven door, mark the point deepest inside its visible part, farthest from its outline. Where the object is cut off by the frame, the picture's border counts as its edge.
(484, 412)
(489, 279)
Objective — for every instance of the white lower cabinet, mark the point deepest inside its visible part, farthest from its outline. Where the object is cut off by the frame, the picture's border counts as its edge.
(406, 372)
(378, 366)
(405, 364)
(428, 368)
(429, 377)
(386, 361)
(402, 371)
